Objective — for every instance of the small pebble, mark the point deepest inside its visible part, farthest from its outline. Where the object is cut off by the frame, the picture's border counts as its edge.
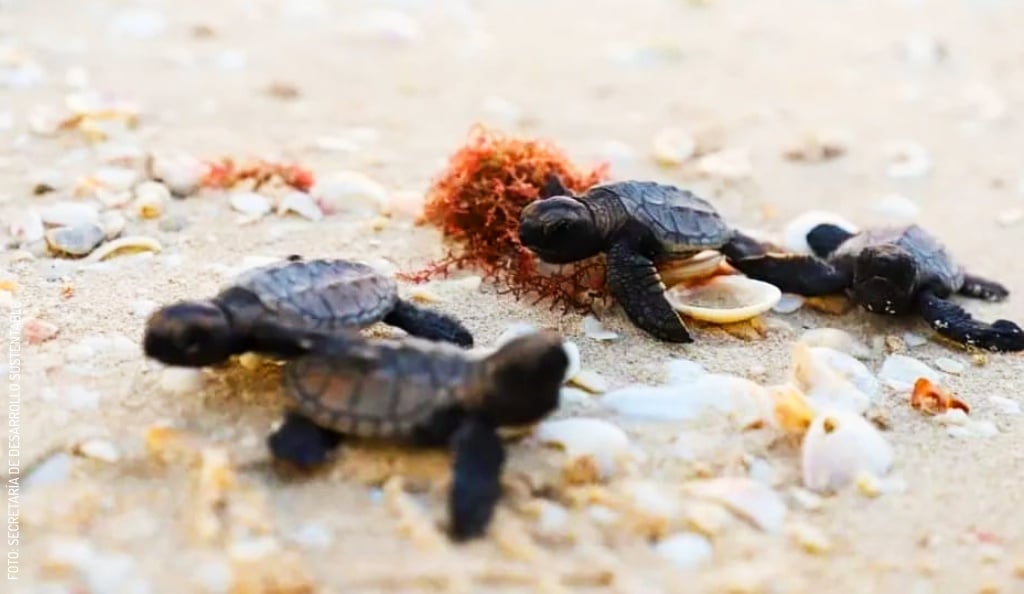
(914, 340)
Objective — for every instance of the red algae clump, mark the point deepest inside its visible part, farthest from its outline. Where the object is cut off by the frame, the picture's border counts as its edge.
(476, 203)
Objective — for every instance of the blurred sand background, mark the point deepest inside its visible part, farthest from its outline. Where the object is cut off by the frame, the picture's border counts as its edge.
(601, 80)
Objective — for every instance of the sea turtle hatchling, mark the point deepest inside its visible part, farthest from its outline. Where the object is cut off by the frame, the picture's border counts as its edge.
(638, 225)
(426, 394)
(256, 312)
(889, 270)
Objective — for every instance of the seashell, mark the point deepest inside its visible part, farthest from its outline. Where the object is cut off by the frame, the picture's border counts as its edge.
(301, 204)
(112, 222)
(593, 328)
(931, 399)
(151, 199)
(67, 214)
(605, 444)
(701, 265)
(753, 501)
(181, 380)
(573, 352)
(38, 331)
(673, 146)
(735, 397)
(724, 299)
(896, 208)
(125, 245)
(98, 449)
(55, 468)
(913, 340)
(181, 173)
(833, 379)
(788, 303)
(143, 308)
(250, 203)
(837, 340)
(794, 235)
(591, 381)
(683, 371)
(839, 447)
(78, 240)
(350, 192)
(113, 199)
(117, 179)
(901, 372)
(950, 365)
(726, 164)
(792, 412)
(26, 227)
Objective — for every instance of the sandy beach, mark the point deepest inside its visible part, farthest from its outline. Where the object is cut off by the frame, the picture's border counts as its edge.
(918, 100)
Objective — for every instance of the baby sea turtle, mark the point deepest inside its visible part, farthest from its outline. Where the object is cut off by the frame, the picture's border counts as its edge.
(426, 394)
(256, 312)
(638, 225)
(889, 270)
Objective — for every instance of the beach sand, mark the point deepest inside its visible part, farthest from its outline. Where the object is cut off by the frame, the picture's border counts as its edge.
(597, 81)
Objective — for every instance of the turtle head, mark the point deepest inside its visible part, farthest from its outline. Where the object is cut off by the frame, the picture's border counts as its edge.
(885, 280)
(524, 377)
(560, 229)
(189, 334)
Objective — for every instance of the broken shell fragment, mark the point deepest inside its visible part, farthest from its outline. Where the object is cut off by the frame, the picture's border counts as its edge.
(126, 245)
(150, 198)
(26, 227)
(112, 222)
(301, 204)
(839, 447)
(931, 399)
(600, 441)
(594, 329)
(724, 299)
(751, 500)
(699, 266)
(75, 241)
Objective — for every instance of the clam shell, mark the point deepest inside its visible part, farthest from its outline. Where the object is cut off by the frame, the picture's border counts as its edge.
(701, 265)
(125, 245)
(78, 240)
(725, 299)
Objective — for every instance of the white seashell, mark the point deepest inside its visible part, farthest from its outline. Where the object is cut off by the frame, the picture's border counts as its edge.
(98, 449)
(144, 307)
(575, 365)
(350, 192)
(701, 265)
(900, 372)
(593, 328)
(151, 199)
(897, 209)
(838, 447)
(181, 380)
(250, 203)
(26, 227)
(683, 371)
(131, 244)
(181, 173)
(1005, 405)
(605, 443)
(591, 381)
(673, 147)
(753, 501)
(788, 303)
(736, 397)
(724, 299)
(117, 179)
(913, 340)
(794, 235)
(301, 204)
(950, 365)
(907, 160)
(77, 240)
(112, 222)
(67, 214)
(838, 340)
(830, 378)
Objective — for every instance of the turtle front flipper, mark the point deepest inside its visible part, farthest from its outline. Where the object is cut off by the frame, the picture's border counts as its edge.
(428, 324)
(554, 186)
(302, 442)
(479, 458)
(982, 288)
(635, 283)
(794, 273)
(951, 321)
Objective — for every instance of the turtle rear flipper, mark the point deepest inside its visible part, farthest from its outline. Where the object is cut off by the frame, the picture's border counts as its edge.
(951, 321)
(982, 288)
(428, 324)
(634, 282)
(826, 238)
(302, 442)
(479, 458)
(794, 273)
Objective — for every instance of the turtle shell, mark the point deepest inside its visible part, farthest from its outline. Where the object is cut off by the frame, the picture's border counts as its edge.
(934, 261)
(680, 220)
(321, 294)
(385, 390)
